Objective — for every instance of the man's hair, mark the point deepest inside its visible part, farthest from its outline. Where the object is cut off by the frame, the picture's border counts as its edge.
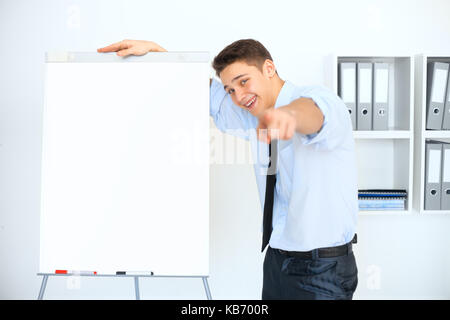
(247, 50)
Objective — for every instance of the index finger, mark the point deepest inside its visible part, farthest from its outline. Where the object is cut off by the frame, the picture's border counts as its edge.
(114, 47)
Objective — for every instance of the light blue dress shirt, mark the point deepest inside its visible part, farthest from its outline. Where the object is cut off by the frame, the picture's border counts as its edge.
(316, 195)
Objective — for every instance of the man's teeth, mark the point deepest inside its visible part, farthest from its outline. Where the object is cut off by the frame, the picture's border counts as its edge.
(250, 102)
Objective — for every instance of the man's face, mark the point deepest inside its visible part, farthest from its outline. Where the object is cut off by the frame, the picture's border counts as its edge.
(249, 87)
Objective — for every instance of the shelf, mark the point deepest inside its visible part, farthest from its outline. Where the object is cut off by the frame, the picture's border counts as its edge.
(385, 164)
(436, 134)
(437, 212)
(383, 212)
(388, 134)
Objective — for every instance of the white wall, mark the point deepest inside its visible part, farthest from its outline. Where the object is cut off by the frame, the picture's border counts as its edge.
(397, 256)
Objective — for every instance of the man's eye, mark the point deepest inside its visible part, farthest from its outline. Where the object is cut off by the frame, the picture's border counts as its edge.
(230, 91)
(244, 81)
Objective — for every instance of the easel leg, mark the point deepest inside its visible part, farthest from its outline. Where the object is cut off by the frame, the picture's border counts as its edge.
(136, 288)
(205, 284)
(43, 285)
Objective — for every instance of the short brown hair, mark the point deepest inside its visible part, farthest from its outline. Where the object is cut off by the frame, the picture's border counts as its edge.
(248, 50)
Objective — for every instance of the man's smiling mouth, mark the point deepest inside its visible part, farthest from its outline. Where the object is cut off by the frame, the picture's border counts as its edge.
(250, 103)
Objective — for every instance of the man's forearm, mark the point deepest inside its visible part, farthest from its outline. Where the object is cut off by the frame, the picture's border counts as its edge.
(309, 118)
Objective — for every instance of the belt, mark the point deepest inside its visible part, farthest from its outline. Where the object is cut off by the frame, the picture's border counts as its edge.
(329, 252)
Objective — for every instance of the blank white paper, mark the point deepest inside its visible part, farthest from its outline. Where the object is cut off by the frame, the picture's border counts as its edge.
(125, 172)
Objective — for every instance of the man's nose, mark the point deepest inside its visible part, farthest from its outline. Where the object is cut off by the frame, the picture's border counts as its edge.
(239, 96)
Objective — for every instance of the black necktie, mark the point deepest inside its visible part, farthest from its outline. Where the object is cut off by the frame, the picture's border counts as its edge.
(271, 179)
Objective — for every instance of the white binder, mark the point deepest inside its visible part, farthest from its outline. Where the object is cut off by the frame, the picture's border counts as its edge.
(364, 96)
(433, 154)
(380, 96)
(446, 117)
(445, 178)
(347, 88)
(436, 86)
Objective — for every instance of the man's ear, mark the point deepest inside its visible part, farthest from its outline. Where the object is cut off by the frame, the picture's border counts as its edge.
(269, 68)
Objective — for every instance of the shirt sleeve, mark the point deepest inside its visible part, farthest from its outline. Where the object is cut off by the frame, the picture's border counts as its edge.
(336, 124)
(228, 117)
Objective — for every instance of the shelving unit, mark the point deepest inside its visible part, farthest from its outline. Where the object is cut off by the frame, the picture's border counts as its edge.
(387, 134)
(420, 132)
(385, 158)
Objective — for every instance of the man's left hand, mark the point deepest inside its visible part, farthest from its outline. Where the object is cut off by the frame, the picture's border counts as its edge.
(276, 124)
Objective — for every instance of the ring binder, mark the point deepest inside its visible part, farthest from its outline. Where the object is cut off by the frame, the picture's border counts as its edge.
(436, 86)
(446, 116)
(433, 150)
(347, 88)
(364, 96)
(380, 96)
(445, 177)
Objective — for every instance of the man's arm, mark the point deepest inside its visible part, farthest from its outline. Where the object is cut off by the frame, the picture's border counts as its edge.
(301, 115)
(132, 47)
(308, 117)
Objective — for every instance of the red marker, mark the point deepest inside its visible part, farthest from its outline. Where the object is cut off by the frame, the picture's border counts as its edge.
(74, 272)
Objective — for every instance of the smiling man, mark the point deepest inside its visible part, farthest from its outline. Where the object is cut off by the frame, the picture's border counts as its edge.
(308, 190)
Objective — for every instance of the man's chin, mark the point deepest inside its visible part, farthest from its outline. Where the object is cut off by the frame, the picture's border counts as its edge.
(257, 112)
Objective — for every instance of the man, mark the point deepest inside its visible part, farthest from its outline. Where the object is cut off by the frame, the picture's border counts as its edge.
(308, 190)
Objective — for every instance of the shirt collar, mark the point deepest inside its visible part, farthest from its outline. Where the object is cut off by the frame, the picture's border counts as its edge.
(284, 97)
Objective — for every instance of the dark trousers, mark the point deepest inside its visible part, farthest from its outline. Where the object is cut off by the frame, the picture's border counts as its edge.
(294, 278)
